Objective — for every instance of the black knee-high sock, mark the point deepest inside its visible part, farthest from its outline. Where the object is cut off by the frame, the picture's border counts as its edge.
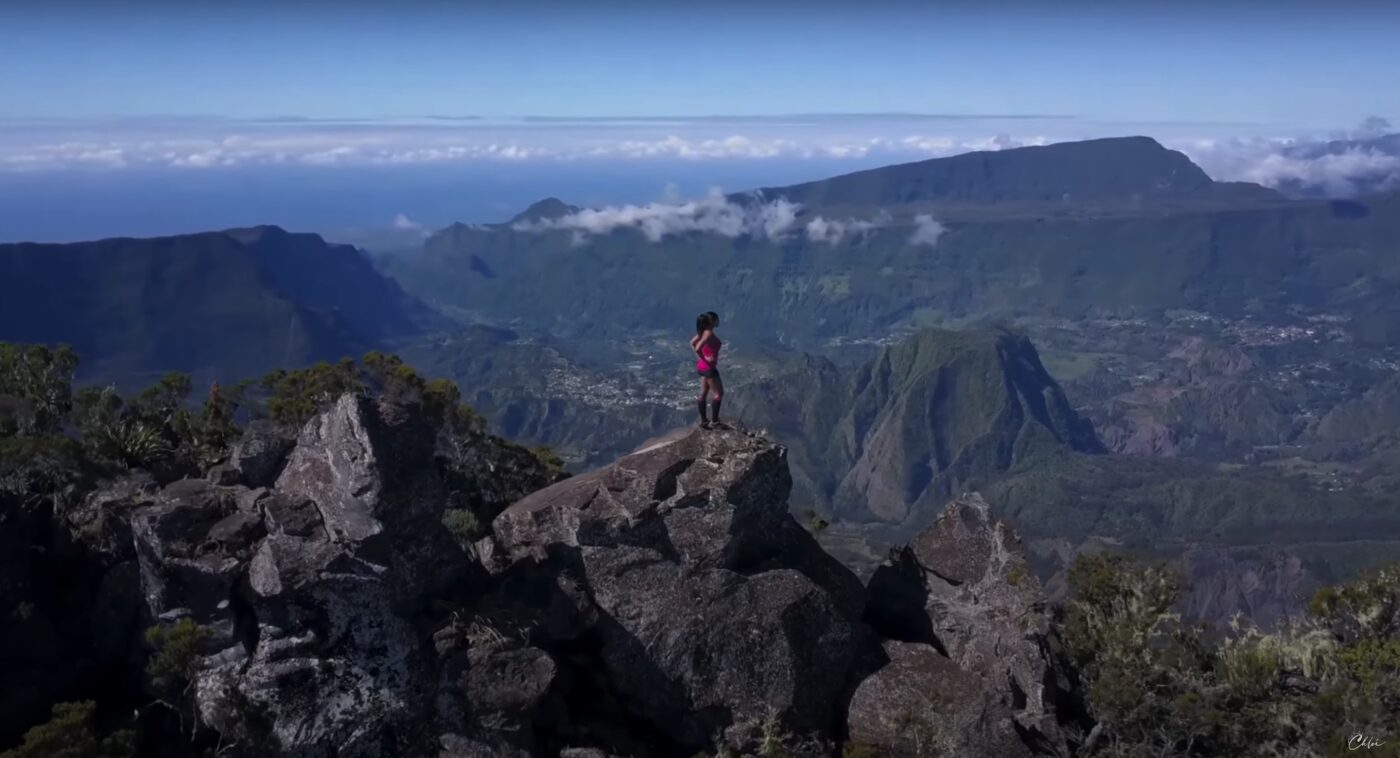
(701, 405)
(714, 409)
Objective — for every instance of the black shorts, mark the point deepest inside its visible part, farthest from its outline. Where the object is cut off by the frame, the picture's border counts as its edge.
(713, 373)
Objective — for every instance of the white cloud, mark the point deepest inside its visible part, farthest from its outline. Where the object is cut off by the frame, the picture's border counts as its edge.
(201, 159)
(821, 230)
(1306, 165)
(714, 214)
(1298, 162)
(717, 214)
(205, 144)
(926, 230)
(673, 146)
(333, 156)
(407, 224)
(832, 231)
(1338, 175)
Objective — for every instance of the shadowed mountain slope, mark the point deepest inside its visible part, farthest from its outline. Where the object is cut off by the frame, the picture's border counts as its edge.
(231, 303)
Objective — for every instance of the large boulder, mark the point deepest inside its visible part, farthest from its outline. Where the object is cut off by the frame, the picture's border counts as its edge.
(922, 703)
(712, 611)
(348, 550)
(335, 663)
(258, 456)
(371, 482)
(494, 687)
(963, 586)
(183, 572)
(101, 522)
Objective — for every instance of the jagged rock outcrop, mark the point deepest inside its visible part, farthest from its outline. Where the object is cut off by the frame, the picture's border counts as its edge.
(314, 565)
(667, 604)
(963, 587)
(709, 610)
(355, 549)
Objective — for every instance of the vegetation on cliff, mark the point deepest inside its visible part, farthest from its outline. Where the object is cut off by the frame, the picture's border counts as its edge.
(1157, 686)
(46, 426)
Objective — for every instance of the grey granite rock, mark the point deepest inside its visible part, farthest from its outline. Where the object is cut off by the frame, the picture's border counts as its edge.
(964, 587)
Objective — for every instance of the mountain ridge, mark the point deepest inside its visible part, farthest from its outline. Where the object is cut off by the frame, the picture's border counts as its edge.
(228, 303)
(1209, 246)
(1109, 169)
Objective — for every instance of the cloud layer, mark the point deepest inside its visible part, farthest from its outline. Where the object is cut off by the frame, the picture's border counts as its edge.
(926, 230)
(1366, 159)
(832, 231)
(716, 213)
(1332, 164)
(377, 146)
(713, 214)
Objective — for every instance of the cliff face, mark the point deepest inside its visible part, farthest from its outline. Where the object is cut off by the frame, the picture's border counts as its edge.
(664, 605)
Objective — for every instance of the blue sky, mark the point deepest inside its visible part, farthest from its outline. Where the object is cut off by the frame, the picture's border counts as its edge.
(1280, 63)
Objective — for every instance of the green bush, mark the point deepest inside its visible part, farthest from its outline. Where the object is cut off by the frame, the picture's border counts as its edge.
(176, 653)
(163, 404)
(132, 444)
(210, 434)
(1151, 682)
(774, 740)
(553, 464)
(38, 469)
(296, 396)
(463, 524)
(36, 385)
(1117, 605)
(157, 425)
(70, 733)
(1157, 687)
(1367, 608)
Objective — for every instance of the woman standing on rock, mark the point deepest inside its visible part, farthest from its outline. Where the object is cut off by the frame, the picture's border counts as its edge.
(706, 347)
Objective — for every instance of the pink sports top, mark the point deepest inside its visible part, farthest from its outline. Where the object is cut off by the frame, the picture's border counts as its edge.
(709, 353)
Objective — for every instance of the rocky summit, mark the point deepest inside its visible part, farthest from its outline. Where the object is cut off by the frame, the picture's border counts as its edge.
(665, 605)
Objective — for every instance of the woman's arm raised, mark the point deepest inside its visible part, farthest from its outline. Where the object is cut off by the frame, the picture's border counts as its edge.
(700, 343)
